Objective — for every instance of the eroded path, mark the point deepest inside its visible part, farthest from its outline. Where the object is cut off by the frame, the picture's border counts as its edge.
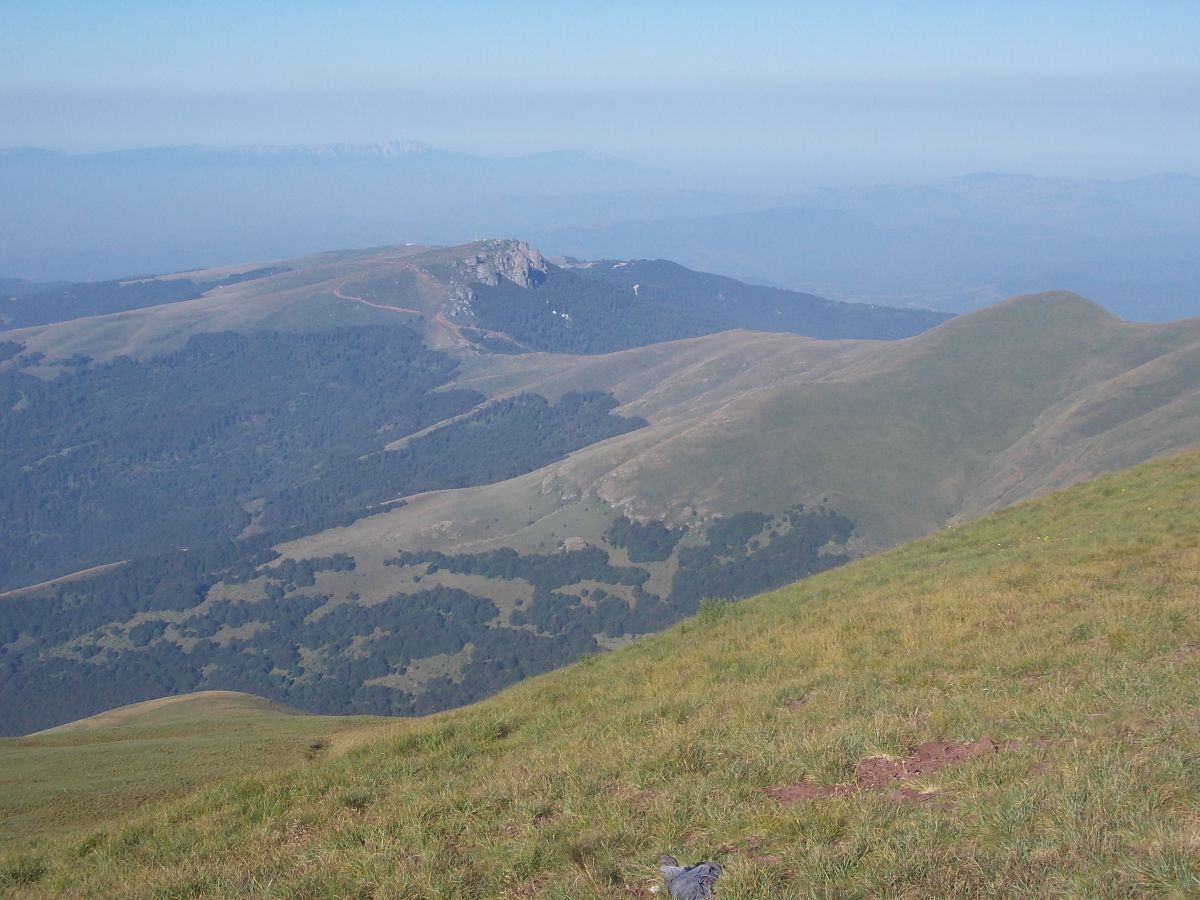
(354, 298)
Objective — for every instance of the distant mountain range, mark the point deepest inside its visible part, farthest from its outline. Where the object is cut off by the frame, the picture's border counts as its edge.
(953, 245)
(958, 245)
(496, 295)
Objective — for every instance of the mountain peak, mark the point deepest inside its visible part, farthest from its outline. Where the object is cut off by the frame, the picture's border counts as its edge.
(1065, 307)
(1043, 313)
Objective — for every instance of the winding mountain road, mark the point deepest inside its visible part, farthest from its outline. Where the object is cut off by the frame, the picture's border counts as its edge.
(342, 295)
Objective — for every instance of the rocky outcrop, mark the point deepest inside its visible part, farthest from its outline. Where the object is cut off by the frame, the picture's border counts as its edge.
(493, 260)
(515, 261)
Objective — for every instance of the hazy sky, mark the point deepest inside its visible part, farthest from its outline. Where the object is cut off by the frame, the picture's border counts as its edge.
(828, 88)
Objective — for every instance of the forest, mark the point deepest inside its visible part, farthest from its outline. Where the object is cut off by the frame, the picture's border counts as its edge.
(610, 306)
(182, 621)
(238, 434)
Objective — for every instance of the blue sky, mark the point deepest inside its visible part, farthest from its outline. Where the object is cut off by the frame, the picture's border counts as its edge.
(1103, 85)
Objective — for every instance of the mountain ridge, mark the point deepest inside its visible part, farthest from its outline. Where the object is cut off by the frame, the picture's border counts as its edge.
(443, 290)
(745, 460)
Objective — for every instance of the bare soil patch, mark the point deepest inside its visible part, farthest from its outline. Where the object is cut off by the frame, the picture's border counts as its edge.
(878, 773)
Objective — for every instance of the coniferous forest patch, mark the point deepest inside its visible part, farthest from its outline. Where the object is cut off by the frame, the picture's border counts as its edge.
(235, 616)
(265, 431)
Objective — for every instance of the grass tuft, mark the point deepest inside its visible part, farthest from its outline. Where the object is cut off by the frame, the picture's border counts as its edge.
(713, 611)
(21, 870)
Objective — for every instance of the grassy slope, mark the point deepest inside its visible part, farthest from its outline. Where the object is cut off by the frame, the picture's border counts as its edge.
(300, 299)
(99, 771)
(897, 439)
(187, 708)
(1070, 625)
(986, 410)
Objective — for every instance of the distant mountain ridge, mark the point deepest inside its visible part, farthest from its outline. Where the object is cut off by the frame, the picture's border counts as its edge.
(955, 245)
(499, 295)
(98, 216)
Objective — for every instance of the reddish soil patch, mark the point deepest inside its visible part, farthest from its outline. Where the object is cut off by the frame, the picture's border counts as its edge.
(928, 758)
(882, 772)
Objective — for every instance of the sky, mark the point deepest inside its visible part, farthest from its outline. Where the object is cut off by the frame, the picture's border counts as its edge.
(836, 90)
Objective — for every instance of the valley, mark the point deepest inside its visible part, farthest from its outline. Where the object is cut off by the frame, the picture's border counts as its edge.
(378, 482)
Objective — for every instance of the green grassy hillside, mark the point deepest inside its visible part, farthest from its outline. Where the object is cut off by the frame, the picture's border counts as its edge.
(988, 409)
(100, 771)
(1066, 629)
(905, 437)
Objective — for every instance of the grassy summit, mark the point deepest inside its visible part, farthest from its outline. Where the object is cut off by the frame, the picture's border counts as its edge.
(1066, 629)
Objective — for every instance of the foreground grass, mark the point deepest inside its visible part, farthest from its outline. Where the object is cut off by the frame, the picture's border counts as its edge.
(72, 782)
(1070, 626)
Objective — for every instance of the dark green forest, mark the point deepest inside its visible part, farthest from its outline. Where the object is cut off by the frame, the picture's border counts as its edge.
(191, 466)
(718, 303)
(504, 439)
(644, 541)
(598, 310)
(138, 457)
(164, 624)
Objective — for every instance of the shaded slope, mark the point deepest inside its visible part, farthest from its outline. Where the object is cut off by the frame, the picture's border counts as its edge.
(605, 306)
(1065, 628)
(1132, 415)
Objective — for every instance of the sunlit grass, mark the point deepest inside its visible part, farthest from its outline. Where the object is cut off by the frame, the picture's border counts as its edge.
(1070, 626)
(72, 782)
